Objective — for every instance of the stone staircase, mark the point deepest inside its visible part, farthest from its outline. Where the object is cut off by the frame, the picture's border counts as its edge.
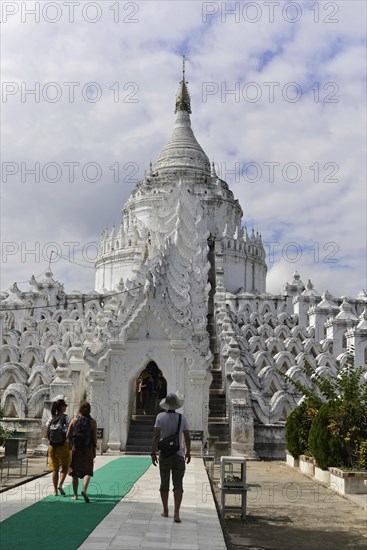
(218, 428)
(139, 440)
(219, 438)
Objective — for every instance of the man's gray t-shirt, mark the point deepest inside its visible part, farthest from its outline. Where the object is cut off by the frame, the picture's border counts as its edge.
(168, 423)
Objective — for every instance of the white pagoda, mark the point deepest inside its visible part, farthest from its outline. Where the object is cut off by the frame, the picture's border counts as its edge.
(181, 292)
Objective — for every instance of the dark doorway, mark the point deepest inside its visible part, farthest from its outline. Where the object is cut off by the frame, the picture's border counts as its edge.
(151, 388)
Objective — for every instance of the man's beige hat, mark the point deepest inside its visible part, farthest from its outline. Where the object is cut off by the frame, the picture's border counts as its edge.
(171, 402)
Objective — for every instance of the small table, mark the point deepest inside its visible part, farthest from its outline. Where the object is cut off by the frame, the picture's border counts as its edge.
(242, 491)
(18, 461)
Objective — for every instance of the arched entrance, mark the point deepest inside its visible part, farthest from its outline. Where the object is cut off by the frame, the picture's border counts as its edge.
(150, 389)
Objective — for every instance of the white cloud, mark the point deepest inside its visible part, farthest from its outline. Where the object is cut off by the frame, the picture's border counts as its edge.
(146, 55)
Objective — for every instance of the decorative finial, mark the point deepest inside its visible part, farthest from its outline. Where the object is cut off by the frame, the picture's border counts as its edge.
(184, 58)
(183, 97)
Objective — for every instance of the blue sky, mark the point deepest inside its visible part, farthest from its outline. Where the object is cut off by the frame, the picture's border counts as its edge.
(279, 101)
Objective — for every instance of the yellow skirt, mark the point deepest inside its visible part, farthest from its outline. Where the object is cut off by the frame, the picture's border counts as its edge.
(59, 457)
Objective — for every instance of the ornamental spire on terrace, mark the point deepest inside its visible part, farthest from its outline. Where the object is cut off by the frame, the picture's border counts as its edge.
(182, 151)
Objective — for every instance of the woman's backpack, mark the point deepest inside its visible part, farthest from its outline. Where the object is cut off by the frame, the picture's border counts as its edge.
(57, 430)
(82, 433)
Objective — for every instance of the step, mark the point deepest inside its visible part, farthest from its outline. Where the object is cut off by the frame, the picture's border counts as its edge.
(216, 399)
(217, 380)
(217, 412)
(136, 441)
(215, 391)
(217, 404)
(220, 435)
(216, 373)
(220, 397)
(142, 431)
(217, 407)
(136, 449)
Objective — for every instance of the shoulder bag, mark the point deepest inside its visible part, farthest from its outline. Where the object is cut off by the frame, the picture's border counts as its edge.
(171, 444)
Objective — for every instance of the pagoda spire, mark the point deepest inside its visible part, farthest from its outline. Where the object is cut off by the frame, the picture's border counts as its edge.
(183, 101)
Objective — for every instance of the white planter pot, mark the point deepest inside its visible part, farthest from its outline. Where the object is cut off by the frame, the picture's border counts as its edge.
(307, 465)
(347, 483)
(291, 461)
(322, 475)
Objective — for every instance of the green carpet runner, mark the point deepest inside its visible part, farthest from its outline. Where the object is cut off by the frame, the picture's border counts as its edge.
(60, 523)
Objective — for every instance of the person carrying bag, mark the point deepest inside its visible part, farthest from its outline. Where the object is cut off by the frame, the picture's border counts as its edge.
(171, 444)
(169, 428)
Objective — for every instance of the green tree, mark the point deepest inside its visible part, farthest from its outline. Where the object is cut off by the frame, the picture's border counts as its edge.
(348, 426)
(297, 428)
(338, 433)
(326, 449)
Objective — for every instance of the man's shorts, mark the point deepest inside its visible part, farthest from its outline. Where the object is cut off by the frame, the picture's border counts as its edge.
(174, 464)
(58, 457)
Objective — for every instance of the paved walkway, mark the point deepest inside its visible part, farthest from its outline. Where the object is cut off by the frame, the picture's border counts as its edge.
(136, 521)
(285, 510)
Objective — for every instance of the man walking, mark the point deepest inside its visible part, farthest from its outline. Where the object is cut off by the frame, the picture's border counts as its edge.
(166, 424)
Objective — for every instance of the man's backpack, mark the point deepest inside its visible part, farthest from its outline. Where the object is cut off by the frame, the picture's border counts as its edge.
(82, 433)
(57, 430)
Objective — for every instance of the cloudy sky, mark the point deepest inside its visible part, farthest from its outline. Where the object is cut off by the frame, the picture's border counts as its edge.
(278, 103)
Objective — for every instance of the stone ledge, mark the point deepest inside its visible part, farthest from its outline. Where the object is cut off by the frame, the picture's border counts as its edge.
(348, 482)
(307, 458)
(307, 465)
(322, 475)
(340, 481)
(345, 474)
(291, 461)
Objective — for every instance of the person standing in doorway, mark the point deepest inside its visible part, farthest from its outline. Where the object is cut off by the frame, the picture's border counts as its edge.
(83, 434)
(165, 425)
(145, 380)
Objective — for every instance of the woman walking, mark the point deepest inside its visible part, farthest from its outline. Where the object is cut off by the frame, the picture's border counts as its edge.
(59, 448)
(83, 434)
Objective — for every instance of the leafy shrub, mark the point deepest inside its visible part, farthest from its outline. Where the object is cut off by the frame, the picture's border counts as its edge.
(363, 454)
(297, 428)
(338, 434)
(325, 448)
(348, 426)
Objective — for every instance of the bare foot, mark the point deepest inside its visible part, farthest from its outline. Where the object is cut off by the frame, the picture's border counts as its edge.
(55, 494)
(164, 514)
(176, 519)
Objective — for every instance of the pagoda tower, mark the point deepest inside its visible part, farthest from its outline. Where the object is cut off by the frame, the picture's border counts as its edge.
(143, 231)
